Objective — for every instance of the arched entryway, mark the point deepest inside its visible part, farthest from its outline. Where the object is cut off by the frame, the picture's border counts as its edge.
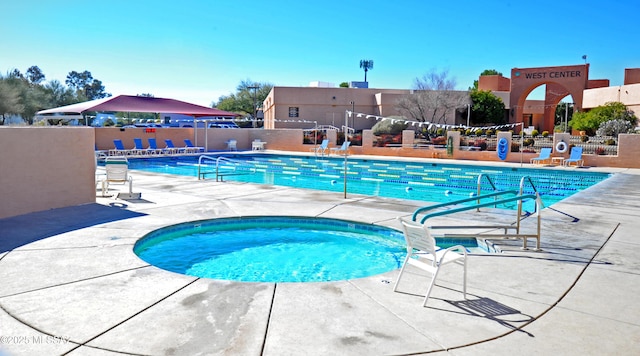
(559, 81)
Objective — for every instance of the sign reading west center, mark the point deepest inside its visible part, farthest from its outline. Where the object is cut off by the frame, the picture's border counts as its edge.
(551, 75)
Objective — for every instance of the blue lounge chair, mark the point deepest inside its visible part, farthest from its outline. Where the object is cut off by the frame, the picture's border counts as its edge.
(191, 148)
(344, 149)
(575, 157)
(544, 157)
(171, 149)
(138, 148)
(153, 147)
(322, 149)
(119, 149)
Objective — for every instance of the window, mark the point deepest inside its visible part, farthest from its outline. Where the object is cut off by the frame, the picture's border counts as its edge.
(293, 112)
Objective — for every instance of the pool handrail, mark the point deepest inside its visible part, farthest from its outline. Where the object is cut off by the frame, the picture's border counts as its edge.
(464, 200)
(517, 233)
(218, 159)
(535, 190)
(488, 178)
(481, 205)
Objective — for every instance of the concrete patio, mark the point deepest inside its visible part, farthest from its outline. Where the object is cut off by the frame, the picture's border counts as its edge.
(73, 286)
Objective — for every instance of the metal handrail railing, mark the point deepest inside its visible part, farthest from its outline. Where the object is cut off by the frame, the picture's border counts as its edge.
(465, 200)
(218, 160)
(517, 234)
(535, 190)
(480, 176)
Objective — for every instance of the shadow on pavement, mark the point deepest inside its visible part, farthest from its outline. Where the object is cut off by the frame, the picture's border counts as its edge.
(20, 230)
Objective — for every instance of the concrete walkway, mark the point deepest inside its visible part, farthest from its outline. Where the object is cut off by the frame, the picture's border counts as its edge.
(71, 283)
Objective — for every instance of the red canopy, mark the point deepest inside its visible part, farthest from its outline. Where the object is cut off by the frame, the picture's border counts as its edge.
(129, 103)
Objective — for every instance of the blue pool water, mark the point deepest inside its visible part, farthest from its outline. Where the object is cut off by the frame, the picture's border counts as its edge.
(274, 249)
(430, 182)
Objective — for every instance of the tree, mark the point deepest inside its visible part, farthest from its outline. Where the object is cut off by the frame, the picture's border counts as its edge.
(243, 100)
(86, 86)
(433, 98)
(366, 64)
(591, 120)
(484, 72)
(35, 75)
(9, 100)
(344, 85)
(59, 95)
(486, 108)
(563, 114)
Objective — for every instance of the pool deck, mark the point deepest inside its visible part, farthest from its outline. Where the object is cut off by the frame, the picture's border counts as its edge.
(71, 284)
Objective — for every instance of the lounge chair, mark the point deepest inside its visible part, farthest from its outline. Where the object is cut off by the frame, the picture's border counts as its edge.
(544, 157)
(153, 147)
(119, 149)
(117, 171)
(232, 145)
(191, 148)
(575, 157)
(322, 149)
(422, 246)
(344, 149)
(138, 148)
(171, 149)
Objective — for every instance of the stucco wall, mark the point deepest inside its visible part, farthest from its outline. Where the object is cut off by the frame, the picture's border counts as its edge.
(53, 167)
(44, 168)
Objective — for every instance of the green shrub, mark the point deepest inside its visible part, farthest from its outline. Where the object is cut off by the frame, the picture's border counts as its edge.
(609, 142)
(479, 132)
(393, 126)
(545, 133)
(614, 128)
(534, 133)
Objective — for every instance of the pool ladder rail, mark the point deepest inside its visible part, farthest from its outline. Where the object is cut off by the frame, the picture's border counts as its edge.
(512, 230)
(224, 166)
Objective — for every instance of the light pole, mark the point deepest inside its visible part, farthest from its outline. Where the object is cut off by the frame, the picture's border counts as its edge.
(255, 108)
(346, 141)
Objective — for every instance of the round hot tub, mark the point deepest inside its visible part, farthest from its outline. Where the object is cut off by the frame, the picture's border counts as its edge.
(274, 249)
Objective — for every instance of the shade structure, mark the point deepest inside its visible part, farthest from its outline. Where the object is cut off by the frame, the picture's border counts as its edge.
(130, 103)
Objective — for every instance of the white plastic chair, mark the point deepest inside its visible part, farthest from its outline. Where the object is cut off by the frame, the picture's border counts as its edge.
(422, 246)
(232, 145)
(117, 171)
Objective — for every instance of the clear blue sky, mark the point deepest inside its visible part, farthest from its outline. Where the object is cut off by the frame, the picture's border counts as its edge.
(199, 50)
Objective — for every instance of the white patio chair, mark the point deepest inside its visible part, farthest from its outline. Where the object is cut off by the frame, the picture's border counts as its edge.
(232, 145)
(116, 171)
(422, 246)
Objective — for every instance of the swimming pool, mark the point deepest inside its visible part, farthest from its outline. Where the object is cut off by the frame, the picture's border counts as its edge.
(277, 249)
(430, 182)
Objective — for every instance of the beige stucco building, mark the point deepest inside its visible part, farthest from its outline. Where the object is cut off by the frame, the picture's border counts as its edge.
(306, 107)
(303, 107)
